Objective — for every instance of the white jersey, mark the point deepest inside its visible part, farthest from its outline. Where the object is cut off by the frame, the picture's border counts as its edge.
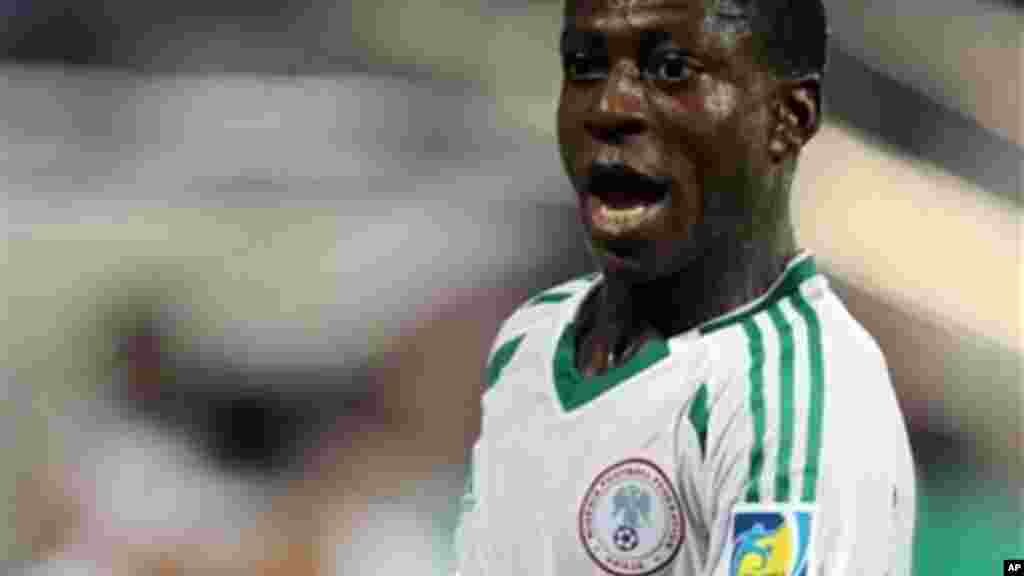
(767, 441)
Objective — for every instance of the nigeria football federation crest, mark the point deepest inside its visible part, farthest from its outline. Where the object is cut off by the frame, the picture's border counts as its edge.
(630, 520)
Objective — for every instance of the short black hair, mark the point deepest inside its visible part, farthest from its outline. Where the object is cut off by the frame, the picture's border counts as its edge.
(793, 33)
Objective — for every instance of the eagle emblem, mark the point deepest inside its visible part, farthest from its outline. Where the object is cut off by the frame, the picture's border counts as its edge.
(630, 519)
(632, 506)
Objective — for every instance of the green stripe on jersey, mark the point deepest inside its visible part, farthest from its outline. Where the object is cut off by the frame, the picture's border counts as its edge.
(550, 298)
(501, 359)
(755, 345)
(468, 500)
(563, 292)
(785, 448)
(815, 415)
(699, 416)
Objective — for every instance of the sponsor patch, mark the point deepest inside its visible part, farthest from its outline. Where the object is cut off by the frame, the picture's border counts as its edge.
(771, 540)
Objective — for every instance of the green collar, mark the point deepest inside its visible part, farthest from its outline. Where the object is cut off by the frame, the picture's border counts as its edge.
(575, 390)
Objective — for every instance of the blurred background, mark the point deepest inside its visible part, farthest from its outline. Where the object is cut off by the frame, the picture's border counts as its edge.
(254, 252)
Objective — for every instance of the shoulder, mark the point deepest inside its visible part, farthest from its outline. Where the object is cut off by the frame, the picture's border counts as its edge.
(808, 333)
(795, 386)
(801, 366)
(542, 308)
(537, 314)
(851, 356)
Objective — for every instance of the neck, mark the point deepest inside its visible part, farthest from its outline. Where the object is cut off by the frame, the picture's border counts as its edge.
(624, 314)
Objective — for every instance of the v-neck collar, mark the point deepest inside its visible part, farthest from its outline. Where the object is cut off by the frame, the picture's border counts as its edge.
(574, 389)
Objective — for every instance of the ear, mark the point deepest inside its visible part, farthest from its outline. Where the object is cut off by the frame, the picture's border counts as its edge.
(796, 116)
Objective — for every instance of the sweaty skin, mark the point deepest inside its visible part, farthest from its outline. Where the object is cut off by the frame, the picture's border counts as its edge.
(676, 90)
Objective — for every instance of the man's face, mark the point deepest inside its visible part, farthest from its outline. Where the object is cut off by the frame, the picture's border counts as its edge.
(663, 125)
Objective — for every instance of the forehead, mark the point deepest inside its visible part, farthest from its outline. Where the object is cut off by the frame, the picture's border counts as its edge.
(717, 29)
(635, 11)
(714, 24)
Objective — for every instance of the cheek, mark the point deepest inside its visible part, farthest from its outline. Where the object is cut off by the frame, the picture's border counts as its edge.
(698, 125)
(571, 133)
(564, 133)
(719, 101)
(706, 137)
(699, 111)
(754, 133)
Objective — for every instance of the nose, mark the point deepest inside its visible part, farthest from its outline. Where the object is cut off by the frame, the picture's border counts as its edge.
(621, 109)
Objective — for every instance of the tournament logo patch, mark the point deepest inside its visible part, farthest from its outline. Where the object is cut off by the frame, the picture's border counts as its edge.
(630, 520)
(770, 540)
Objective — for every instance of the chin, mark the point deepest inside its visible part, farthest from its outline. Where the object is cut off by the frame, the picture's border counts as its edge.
(631, 269)
(642, 263)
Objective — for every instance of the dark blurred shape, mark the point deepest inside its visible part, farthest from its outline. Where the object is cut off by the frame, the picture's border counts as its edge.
(965, 519)
(260, 420)
(61, 31)
(914, 124)
(251, 420)
(253, 430)
(951, 453)
(191, 35)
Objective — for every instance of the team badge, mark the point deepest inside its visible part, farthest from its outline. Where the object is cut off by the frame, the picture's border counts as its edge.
(771, 540)
(630, 520)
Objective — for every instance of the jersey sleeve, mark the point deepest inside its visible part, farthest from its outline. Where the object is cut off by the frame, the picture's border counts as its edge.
(472, 549)
(469, 546)
(469, 553)
(470, 543)
(808, 469)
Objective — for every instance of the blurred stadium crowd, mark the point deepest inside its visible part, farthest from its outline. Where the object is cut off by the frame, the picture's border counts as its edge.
(254, 254)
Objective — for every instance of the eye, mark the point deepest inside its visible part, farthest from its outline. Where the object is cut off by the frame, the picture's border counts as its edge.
(581, 66)
(670, 66)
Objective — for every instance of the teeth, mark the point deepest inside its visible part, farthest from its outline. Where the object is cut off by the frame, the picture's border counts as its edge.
(622, 215)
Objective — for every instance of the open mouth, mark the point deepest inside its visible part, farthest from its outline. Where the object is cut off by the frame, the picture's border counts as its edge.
(619, 198)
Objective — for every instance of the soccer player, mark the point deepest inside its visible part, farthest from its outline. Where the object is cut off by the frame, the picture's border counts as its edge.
(705, 405)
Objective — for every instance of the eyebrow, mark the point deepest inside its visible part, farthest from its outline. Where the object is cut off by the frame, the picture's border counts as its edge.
(574, 38)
